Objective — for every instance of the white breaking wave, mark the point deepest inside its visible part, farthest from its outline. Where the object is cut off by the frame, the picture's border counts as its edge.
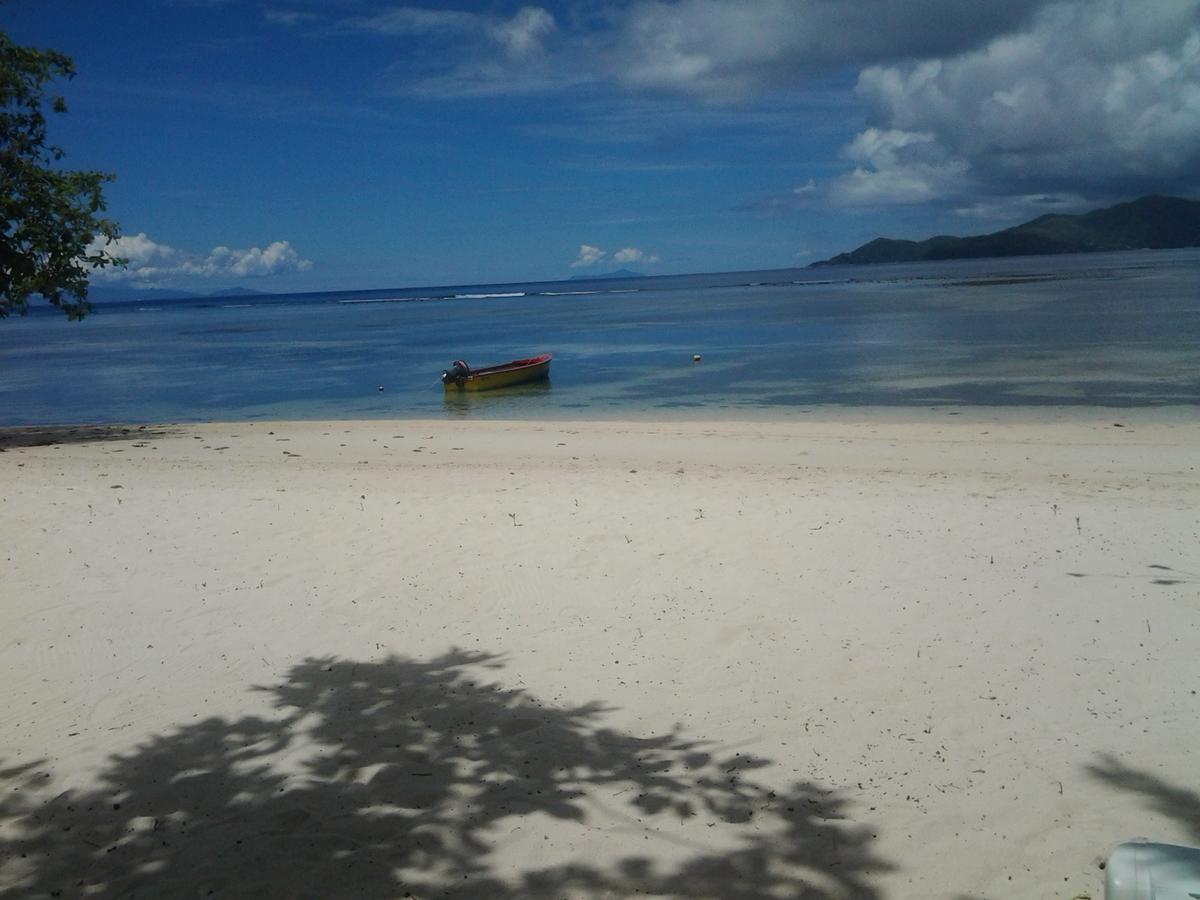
(487, 296)
(387, 300)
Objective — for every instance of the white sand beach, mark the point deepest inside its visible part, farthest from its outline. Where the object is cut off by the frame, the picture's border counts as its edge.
(875, 654)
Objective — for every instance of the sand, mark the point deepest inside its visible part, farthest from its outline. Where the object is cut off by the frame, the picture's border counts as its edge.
(864, 654)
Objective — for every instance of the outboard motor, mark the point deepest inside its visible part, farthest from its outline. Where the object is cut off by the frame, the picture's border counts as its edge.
(457, 373)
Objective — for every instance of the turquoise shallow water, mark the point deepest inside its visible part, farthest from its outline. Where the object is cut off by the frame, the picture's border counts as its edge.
(1092, 330)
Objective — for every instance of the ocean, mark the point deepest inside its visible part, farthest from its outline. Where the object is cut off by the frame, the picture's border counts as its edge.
(1115, 329)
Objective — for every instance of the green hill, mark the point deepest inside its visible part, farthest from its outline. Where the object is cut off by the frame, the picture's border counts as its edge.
(1153, 222)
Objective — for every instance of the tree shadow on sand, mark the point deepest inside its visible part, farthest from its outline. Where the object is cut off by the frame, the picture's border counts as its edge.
(402, 778)
(1172, 801)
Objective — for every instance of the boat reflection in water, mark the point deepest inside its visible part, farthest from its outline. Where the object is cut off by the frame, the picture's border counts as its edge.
(502, 402)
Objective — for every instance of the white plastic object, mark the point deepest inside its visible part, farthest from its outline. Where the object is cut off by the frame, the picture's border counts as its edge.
(1144, 871)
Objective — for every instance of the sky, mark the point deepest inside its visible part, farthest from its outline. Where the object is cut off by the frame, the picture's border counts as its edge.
(308, 145)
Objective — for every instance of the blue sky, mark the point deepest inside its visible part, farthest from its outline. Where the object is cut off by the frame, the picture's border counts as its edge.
(298, 145)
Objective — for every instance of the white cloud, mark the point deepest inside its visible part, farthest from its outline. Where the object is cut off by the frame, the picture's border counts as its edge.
(1024, 206)
(288, 17)
(1092, 92)
(996, 99)
(412, 20)
(588, 256)
(249, 263)
(473, 54)
(152, 261)
(141, 251)
(523, 33)
(896, 167)
(633, 254)
(727, 49)
(721, 50)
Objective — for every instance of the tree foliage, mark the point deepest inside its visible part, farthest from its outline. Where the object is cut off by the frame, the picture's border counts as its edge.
(52, 231)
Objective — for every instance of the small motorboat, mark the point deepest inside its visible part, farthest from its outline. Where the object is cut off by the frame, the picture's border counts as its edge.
(461, 377)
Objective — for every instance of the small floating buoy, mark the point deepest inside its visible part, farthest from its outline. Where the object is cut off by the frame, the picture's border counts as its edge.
(380, 388)
(695, 357)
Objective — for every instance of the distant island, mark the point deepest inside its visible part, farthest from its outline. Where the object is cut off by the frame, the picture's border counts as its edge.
(238, 292)
(103, 294)
(1154, 222)
(620, 273)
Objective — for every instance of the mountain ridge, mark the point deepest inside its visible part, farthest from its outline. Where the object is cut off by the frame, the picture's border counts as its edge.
(1153, 222)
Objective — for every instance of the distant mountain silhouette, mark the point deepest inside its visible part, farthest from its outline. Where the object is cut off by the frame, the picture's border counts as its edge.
(238, 292)
(105, 294)
(620, 273)
(1154, 222)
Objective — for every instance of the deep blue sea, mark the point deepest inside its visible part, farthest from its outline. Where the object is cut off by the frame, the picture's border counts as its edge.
(1117, 329)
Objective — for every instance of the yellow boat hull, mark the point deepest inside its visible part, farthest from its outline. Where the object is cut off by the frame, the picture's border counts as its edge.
(518, 371)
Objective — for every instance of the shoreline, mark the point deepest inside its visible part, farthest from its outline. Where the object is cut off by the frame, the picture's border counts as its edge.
(822, 413)
(939, 656)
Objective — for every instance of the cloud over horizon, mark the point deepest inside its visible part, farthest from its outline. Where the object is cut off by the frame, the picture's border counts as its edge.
(1093, 94)
(150, 261)
(633, 254)
(590, 255)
